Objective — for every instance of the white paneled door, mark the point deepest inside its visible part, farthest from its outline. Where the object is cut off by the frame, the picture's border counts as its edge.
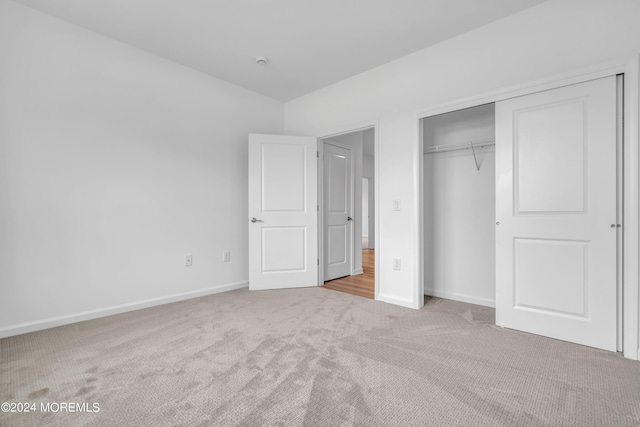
(283, 217)
(338, 217)
(556, 218)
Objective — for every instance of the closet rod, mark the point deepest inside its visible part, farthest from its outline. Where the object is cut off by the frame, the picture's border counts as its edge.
(469, 145)
(454, 147)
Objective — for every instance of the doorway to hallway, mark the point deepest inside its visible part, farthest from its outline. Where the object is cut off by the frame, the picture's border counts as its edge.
(362, 284)
(347, 211)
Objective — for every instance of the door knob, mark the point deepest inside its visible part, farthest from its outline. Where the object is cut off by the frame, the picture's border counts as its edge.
(349, 218)
(256, 220)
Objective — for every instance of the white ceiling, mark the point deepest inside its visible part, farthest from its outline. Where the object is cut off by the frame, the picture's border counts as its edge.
(310, 44)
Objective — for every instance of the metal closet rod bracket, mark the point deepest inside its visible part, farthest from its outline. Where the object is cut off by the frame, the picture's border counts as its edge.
(468, 145)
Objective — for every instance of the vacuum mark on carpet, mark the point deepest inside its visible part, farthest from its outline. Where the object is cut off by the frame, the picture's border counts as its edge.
(85, 390)
(40, 393)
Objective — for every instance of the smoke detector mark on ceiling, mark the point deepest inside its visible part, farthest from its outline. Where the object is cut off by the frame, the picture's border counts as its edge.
(262, 60)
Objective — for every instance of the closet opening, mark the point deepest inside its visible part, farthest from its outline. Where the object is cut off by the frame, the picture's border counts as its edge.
(527, 207)
(459, 205)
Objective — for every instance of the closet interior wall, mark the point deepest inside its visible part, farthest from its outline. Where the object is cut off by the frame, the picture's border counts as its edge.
(459, 207)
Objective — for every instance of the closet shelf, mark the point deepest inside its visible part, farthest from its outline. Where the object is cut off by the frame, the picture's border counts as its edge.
(465, 146)
(468, 145)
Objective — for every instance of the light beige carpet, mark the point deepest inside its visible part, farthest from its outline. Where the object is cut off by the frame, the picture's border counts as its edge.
(313, 357)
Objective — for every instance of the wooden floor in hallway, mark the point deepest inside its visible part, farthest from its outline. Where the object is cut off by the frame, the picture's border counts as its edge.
(363, 284)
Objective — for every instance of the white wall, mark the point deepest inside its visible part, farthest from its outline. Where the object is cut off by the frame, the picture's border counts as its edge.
(555, 37)
(114, 163)
(459, 208)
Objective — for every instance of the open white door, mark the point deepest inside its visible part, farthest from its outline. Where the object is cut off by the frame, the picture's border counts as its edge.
(556, 213)
(338, 216)
(283, 217)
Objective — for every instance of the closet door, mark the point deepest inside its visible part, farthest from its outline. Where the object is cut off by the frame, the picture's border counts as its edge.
(556, 213)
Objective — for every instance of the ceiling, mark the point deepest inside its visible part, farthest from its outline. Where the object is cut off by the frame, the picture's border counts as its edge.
(310, 43)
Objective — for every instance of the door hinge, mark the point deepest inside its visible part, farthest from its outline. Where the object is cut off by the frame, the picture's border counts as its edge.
(318, 208)
(318, 261)
(317, 154)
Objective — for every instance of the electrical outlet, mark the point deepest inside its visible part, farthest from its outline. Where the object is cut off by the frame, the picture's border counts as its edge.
(226, 256)
(396, 264)
(188, 260)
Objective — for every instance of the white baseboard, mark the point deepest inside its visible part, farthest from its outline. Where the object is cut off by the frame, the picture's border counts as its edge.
(397, 301)
(23, 328)
(461, 297)
(357, 271)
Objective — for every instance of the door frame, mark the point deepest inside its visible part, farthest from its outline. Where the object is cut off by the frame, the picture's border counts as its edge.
(376, 189)
(630, 67)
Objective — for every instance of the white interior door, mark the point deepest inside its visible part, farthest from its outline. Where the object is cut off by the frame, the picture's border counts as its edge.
(283, 217)
(338, 215)
(556, 213)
